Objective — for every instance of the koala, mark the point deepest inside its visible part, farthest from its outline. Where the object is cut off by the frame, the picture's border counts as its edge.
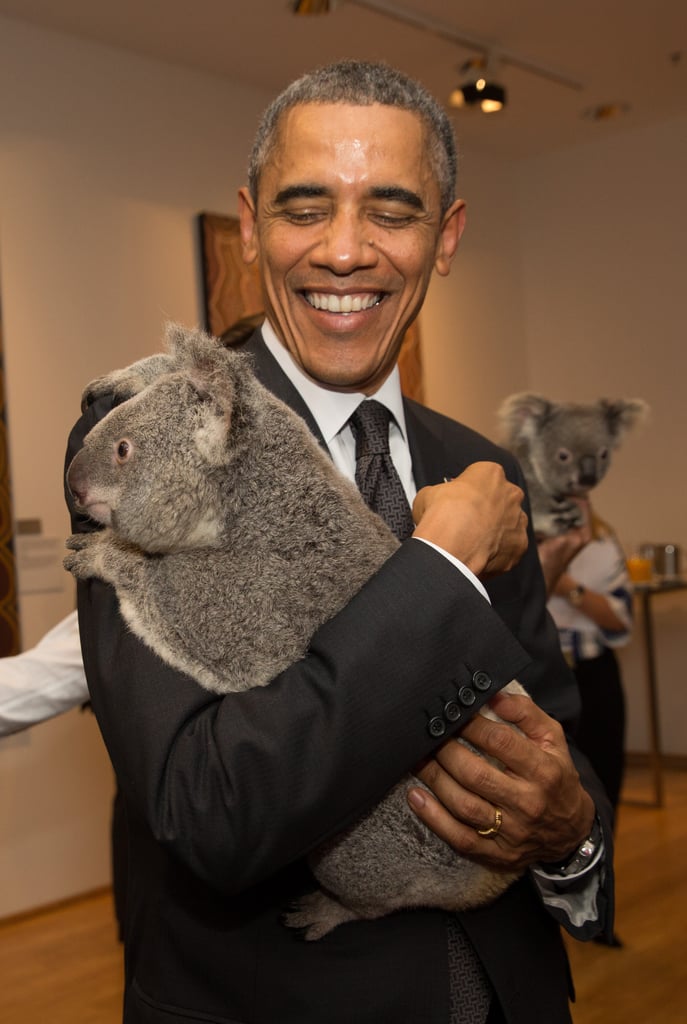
(564, 450)
(230, 537)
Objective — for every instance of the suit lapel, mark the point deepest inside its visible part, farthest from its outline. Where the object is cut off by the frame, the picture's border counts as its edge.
(432, 462)
(269, 372)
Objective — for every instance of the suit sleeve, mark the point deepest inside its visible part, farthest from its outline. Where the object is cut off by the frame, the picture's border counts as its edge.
(241, 785)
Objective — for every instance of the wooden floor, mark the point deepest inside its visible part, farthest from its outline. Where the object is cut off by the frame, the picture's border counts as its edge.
(64, 966)
(645, 981)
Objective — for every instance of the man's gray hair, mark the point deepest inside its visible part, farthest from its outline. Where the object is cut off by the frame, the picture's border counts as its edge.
(360, 83)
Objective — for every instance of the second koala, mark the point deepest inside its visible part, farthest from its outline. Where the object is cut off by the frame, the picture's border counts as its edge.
(230, 538)
(564, 449)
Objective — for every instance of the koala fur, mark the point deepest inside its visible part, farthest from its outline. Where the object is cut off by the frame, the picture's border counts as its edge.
(230, 537)
(564, 450)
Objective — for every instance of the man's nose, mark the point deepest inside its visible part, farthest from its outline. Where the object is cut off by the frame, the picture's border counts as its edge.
(346, 244)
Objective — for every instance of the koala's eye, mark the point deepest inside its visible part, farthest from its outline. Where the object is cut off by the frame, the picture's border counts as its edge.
(564, 455)
(123, 450)
(603, 454)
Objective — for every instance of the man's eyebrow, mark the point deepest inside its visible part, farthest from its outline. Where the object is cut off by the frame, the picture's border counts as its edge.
(390, 193)
(304, 191)
(397, 194)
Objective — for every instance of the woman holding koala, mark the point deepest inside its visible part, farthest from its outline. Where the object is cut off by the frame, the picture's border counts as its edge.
(591, 604)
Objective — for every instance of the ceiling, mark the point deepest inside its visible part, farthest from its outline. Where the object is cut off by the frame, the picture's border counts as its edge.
(627, 52)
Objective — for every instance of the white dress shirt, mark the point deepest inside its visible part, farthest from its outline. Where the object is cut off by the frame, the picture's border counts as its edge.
(332, 410)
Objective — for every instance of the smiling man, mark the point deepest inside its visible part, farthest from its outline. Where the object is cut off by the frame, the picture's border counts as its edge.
(347, 224)
(349, 210)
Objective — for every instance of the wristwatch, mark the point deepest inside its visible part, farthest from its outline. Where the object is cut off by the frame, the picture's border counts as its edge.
(582, 856)
(576, 594)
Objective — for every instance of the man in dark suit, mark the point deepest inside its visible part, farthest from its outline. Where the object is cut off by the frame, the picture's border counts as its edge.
(350, 207)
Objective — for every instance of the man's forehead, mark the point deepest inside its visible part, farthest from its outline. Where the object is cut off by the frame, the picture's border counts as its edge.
(323, 140)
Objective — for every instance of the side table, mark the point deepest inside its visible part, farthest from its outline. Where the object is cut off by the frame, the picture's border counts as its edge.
(646, 592)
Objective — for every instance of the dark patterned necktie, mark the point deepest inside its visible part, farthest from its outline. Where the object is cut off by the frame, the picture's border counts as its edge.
(375, 473)
(381, 488)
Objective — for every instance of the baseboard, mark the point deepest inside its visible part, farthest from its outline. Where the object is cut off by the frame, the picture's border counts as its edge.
(669, 762)
(47, 908)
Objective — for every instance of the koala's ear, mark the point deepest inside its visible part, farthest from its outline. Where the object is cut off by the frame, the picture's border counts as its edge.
(523, 415)
(214, 419)
(177, 338)
(191, 347)
(623, 414)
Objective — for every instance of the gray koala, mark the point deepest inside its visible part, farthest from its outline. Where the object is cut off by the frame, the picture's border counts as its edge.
(230, 538)
(564, 450)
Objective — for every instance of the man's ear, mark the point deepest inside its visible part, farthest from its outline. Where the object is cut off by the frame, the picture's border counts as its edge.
(452, 227)
(248, 227)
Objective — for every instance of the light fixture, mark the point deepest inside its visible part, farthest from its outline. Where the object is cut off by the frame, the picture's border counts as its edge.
(479, 88)
(490, 96)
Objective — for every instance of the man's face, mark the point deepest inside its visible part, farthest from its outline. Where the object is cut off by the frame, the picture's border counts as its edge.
(347, 230)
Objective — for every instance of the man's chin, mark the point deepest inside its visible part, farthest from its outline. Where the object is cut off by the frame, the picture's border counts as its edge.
(363, 378)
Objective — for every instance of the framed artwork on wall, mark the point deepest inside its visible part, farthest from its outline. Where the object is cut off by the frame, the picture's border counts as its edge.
(231, 292)
(9, 615)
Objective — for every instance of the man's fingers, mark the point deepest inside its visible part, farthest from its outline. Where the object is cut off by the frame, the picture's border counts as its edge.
(456, 777)
(542, 809)
(494, 850)
(477, 517)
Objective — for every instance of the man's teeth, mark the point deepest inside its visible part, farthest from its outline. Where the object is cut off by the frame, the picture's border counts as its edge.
(342, 303)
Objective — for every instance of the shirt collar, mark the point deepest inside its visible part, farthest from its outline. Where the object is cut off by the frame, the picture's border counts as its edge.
(332, 409)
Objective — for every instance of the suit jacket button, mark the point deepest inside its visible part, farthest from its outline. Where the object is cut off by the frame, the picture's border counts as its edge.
(436, 727)
(451, 711)
(481, 681)
(466, 696)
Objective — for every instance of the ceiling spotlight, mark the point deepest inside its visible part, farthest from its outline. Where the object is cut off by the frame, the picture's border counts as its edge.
(479, 89)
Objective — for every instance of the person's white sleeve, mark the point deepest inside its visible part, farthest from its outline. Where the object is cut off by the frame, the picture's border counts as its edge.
(43, 681)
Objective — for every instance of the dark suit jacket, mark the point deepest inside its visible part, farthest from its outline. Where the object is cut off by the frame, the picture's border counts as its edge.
(225, 796)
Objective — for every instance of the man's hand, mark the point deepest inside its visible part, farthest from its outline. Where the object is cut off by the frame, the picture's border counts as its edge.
(545, 812)
(556, 553)
(477, 518)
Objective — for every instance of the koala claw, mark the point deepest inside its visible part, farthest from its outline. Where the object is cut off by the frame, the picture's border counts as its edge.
(568, 520)
(317, 914)
(117, 384)
(77, 541)
(80, 562)
(124, 384)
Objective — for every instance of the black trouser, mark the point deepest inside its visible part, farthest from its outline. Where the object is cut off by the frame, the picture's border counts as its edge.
(601, 733)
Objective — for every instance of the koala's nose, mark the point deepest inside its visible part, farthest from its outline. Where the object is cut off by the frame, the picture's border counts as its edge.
(76, 483)
(588, 475)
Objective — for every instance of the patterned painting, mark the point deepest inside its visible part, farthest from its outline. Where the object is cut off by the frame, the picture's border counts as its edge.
(9, 618)
(231, 292)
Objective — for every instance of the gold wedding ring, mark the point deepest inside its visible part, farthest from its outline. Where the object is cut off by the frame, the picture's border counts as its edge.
(493, 830)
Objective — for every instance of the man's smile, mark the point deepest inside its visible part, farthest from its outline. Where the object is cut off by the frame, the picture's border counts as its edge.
(333, 303)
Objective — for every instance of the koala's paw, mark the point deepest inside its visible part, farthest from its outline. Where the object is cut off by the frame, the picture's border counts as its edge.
(317, 914)
(124, 384)
(566, 515)
(81, 562)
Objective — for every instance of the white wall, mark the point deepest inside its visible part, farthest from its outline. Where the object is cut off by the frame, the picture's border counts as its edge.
(105, 161)
(473, 327)
(604, 273)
